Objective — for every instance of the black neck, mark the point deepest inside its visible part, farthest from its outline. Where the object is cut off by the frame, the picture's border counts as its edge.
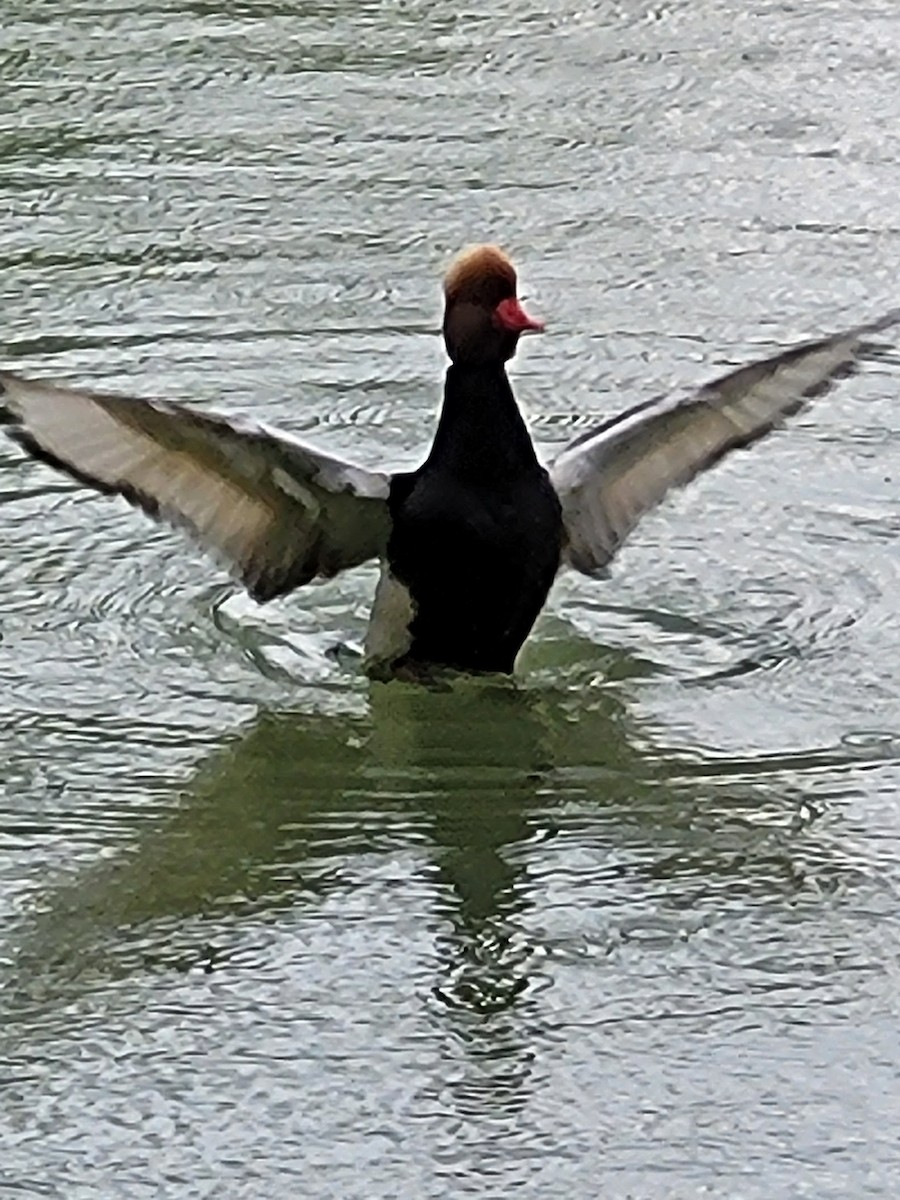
(481, 433)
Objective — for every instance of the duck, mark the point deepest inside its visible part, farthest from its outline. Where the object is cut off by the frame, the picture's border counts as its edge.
(470, 542)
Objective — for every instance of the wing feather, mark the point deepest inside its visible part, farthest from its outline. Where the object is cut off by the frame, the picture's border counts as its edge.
(278, 512)
(608, 478)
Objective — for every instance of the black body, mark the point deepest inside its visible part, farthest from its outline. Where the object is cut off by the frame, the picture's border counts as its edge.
(476, 530)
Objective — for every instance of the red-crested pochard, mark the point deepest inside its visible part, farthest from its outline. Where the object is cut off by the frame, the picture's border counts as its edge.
(470, 542)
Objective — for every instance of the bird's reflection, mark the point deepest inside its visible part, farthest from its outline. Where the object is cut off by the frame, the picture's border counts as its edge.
(479, 773)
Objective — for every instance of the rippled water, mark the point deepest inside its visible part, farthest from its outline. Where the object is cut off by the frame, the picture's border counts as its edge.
(628, 927)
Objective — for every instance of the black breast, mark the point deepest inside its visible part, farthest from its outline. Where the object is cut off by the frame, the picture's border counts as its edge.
(478, 558)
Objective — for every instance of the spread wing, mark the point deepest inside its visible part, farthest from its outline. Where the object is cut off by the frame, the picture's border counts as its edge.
(609, 477)
(276, 511)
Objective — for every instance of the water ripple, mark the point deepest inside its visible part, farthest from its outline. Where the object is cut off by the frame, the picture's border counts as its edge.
(626, 926)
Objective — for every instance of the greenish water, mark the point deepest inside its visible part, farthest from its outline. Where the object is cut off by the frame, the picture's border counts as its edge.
(627, 927)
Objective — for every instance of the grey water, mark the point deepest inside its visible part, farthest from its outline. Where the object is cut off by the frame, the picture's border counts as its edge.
(627, 927)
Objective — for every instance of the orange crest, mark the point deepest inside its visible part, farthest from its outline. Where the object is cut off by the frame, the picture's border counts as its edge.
(477, 270)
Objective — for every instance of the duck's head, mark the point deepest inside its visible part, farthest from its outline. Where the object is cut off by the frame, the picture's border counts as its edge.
(483, 317)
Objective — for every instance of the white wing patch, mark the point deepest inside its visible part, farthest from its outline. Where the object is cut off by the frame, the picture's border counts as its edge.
(388, 636)
(293, 488)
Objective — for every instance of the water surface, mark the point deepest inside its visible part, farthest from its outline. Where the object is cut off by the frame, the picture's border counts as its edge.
(625, 927)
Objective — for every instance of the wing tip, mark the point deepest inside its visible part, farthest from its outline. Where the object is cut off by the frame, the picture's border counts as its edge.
(889, 319)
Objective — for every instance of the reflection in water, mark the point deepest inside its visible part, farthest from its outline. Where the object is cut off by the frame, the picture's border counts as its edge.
(470, 787)
(289, 814)
(278, 815)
